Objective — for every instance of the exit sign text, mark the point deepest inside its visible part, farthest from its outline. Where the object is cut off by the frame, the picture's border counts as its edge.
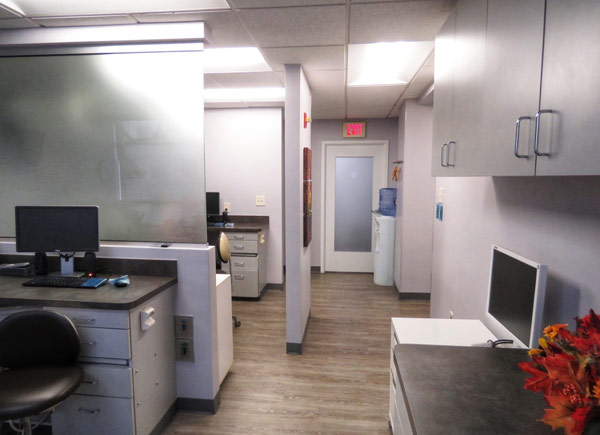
(354, 129)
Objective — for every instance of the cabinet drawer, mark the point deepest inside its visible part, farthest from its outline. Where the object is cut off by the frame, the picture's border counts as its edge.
(237, 237)
(244, 247)
(106, 380)
(104, 343)
(245, 284)
(116, 319)
(92, 415)
(243, 263)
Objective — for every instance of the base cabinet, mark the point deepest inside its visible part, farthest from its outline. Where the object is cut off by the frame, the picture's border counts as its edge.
(248, 264)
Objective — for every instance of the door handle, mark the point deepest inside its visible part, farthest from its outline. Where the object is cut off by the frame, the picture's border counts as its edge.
(517, 135)
(448, 164)
(536, 143)
(442, 155)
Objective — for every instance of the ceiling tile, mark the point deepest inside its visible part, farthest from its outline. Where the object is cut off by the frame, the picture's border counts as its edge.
(397, 21)
(327, 103)
(292, 27)
(244, 80)
(99, 20)
(311, 58)
(372, 101)
(242, 4)
(225, 28)
(17, 23)
(329, 79)
(37, 8)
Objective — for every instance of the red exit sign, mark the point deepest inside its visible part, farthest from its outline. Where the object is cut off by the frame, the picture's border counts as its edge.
(354, 129)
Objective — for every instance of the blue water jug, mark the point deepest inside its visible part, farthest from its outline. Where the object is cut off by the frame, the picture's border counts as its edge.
(387, 201)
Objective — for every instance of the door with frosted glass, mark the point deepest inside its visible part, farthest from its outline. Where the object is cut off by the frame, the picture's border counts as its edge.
(354, 174)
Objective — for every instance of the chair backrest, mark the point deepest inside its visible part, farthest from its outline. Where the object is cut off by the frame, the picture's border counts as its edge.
(37, 337)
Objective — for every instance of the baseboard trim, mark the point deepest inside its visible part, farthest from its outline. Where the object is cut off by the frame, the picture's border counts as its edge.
(165, 420)
(296, 348)
(200, 405)
(315, 269)
(273, 286)
(418, 296)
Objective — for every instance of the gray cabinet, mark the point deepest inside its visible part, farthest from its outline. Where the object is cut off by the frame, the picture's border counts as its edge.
(516, 116)
(248, 263)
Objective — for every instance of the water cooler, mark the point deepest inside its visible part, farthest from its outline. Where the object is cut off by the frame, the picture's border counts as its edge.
(385, 232)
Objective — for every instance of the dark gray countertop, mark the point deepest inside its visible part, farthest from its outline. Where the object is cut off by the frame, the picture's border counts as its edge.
(244, 224)
(468, 390)
(142, 288)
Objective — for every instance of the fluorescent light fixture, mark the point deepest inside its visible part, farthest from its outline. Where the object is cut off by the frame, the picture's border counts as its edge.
(53, 8)
(244, 95)
(12, 5)
(385, 63)
(234, 60)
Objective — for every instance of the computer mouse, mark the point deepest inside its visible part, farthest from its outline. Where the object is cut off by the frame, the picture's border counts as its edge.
(120, 284)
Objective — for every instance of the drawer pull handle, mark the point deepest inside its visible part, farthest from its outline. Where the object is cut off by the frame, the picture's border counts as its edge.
(91, 382)
(89, 411)
(238, 246)
(90, 343)
(238, 237)
(239, 276)
(86, 321)
(239, 263)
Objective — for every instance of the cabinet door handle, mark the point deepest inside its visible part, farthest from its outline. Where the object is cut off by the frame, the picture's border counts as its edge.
(238, 246)
(442, 155)
(239, 263)
(238, 276)
(536, 143)
(85, 321)
(91, 382)
(448, 164)
(236, 237)
(517, 135)
(89, 411)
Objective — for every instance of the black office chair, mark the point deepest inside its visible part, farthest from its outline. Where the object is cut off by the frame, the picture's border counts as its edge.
(38, 350)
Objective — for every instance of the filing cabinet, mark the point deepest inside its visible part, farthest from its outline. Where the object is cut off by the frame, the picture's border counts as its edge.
(248, 263)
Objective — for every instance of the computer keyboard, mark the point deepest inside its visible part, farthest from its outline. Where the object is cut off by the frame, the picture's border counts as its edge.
(57, 281)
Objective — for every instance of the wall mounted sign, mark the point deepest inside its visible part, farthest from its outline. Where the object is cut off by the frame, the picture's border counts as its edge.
(307, 196)
(354, 129)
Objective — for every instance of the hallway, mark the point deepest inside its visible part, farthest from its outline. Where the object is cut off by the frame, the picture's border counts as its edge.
(340, 383)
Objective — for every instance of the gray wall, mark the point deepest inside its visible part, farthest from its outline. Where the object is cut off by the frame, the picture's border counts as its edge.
(326, 130)
(245, 161)
(297, 257)
(414, 223)
(552, 220)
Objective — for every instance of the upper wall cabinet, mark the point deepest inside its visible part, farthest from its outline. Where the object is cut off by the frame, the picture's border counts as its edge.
(526, 108)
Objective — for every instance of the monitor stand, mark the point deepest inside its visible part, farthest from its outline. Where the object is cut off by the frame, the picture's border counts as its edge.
(67, 261)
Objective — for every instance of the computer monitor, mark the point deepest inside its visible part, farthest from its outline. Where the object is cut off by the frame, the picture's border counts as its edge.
(212, 203)
(61, 229)
(516, 293)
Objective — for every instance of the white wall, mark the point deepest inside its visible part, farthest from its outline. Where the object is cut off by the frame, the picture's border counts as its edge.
(244, 159)
(297, 299)
(552, 220)
(414, 223)
(328, 130)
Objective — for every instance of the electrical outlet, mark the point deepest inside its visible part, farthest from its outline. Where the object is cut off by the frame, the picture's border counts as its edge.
(184, 327)
(226, 207)
(184, 349)
(451, 314)
(260, 201)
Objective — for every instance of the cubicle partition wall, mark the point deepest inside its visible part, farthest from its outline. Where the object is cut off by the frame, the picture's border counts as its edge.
(114, 125)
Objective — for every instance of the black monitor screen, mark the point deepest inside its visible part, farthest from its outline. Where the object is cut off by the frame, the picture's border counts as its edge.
(512, 294)
(212, 203)
(57, 228)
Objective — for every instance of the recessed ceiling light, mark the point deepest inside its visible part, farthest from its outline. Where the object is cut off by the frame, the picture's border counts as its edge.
(234, 60)
(385, 63)
(244, 95)
(53, 8)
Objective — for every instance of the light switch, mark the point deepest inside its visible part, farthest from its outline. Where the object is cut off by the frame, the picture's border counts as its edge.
(260, 201)
(226, 207)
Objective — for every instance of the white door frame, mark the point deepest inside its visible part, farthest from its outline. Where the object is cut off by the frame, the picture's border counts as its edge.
(324, 145)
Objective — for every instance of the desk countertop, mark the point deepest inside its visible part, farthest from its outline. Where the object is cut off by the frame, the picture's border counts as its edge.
(244, 224)
(468, 390)
(142, 288)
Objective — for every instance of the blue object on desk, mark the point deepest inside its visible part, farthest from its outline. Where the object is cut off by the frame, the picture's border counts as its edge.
(122, 281)
(94, 282)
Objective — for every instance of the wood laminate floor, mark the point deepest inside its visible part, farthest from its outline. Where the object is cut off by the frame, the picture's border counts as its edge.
(339, 385)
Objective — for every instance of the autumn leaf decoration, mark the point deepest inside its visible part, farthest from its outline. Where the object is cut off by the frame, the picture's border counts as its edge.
(565, 368)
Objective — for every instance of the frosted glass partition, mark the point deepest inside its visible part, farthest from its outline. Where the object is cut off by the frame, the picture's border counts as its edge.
(121, 131)
(353, 202)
